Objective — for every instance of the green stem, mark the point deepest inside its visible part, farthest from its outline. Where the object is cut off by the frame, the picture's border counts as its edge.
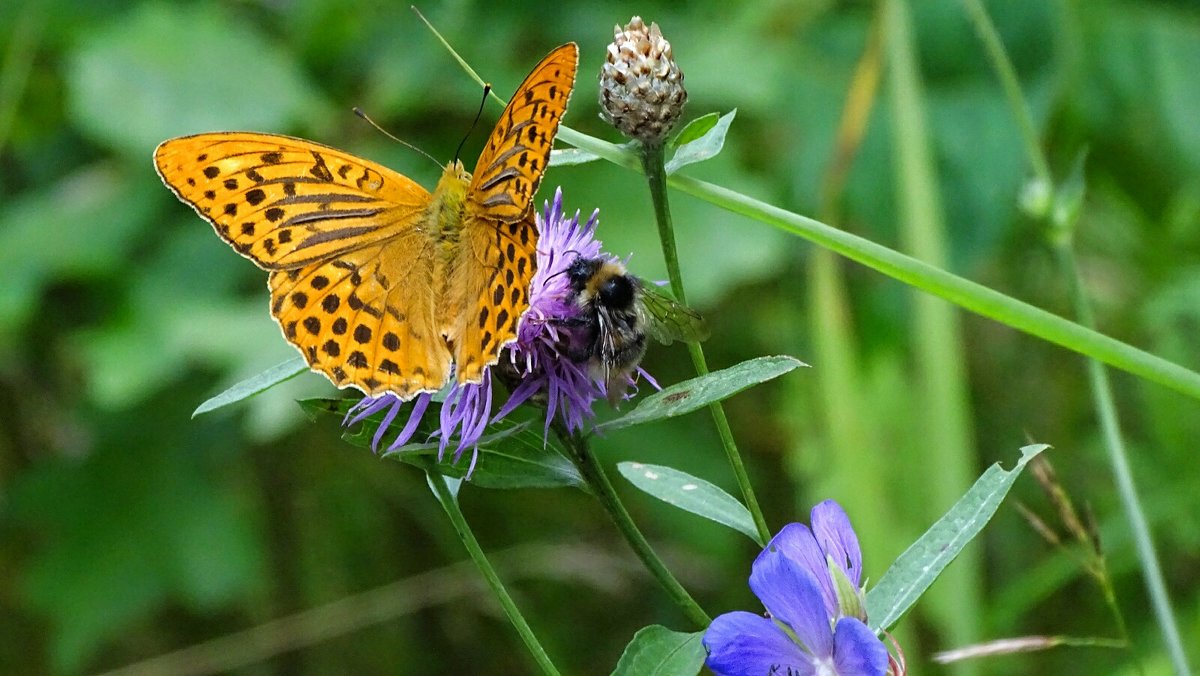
(652, 165)
(449, 502)
(1102, 398)
(593, 473)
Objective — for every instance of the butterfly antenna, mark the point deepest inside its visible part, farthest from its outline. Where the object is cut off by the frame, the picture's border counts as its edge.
(358, 111)
(487, 88)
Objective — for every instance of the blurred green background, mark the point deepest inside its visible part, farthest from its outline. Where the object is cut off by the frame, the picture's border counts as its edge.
(129, 530)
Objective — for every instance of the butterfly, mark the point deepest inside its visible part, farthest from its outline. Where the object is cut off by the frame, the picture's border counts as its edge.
(379, 284)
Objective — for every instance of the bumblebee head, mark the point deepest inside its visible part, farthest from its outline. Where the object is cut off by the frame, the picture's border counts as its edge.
(601, 282)
(614, 291)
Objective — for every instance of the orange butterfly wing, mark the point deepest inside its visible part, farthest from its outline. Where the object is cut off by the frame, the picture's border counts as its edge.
(284, 202)
(489, 293)
(366, 318)
(351, 283)
(511, 166)
(371, 285)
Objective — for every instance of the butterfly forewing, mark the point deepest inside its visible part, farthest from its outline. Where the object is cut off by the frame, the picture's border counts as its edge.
(285, 202)
(489, 290)
(489, 299)
(512, 163)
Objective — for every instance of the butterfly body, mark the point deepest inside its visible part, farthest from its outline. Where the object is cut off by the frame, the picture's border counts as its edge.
(378, 283)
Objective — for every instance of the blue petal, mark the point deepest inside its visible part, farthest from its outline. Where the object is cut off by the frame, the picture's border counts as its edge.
(745, 644)
(857, 651)
(836, 537)
(797, 543)
(792, 596)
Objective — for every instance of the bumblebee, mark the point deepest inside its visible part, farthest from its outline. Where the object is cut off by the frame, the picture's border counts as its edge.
(617, 311)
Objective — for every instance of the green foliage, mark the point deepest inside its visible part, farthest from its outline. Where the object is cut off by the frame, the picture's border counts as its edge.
(130, 529)
(691, 494)
(700, 140)
(659, 651)
(692, 395)
(917, 568)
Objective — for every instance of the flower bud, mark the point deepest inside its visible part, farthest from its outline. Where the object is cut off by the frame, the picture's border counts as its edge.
(641, 86)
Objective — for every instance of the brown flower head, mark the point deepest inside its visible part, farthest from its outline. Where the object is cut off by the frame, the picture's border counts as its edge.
(641, 86)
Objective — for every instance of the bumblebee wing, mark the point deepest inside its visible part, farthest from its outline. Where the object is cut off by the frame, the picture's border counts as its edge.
(668, 320)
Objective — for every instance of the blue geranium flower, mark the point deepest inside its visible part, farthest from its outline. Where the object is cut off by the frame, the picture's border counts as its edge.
(809, 582)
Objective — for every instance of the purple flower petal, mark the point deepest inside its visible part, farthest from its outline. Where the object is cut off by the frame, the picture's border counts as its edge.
(791, 594)
(832, 529)
(745, 644)
(414, 419)
(857, 651)
(797, 543)
(383, 425)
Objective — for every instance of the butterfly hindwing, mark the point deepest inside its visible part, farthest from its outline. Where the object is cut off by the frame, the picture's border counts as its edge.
(366, 318)
(285, 202)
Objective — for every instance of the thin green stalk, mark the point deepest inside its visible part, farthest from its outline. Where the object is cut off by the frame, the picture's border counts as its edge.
(1102, 397)
(968, 295)
(449, 502)
(1012, 87)
(1106, 410)
(652, 165)
(593, 473)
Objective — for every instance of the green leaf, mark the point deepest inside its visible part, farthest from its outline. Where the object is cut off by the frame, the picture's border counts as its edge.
(452, 484)
(515, 455)
(698, 392)
(658, 651)
(512, 454)
(912, 573)
(707, 146)
(254, 385)
(691, 494)
(695, 129)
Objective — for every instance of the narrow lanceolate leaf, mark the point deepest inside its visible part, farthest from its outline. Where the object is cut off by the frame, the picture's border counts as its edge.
(707, 146)
(658, 651)
(254, 384)
(698, 392)
(912, 573)
(691, 494)
(695, 129)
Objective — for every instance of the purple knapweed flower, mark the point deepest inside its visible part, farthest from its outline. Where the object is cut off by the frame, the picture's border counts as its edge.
(808, 580)
(536, 362)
